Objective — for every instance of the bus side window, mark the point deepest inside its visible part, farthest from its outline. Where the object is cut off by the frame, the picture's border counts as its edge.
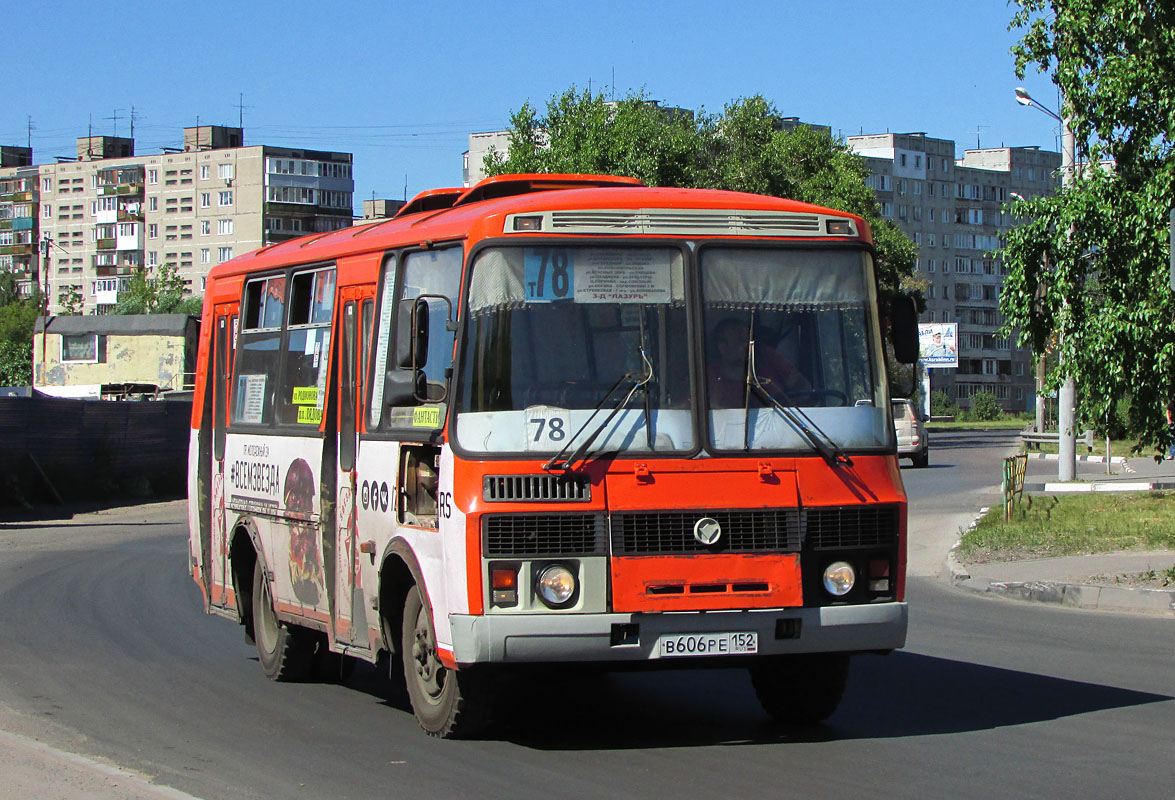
(255, 366)
(433, 276)
(302, 396)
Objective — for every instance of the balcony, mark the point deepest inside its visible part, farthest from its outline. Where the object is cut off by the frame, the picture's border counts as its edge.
(23, 223)
(106, 244)
(129, 216)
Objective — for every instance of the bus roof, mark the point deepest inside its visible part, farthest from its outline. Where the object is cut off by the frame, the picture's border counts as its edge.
(450, 214)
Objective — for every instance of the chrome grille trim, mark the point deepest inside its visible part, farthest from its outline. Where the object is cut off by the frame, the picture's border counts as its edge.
(536, 489)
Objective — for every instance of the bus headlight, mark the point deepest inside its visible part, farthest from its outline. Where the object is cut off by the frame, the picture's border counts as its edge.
(555, 585)
(839, 578)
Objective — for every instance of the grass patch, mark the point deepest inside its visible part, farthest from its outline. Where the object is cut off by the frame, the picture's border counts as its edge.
(977, 425)
(1118, 447)
(1076, 524)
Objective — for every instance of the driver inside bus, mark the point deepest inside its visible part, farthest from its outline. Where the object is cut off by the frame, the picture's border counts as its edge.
(727, 371)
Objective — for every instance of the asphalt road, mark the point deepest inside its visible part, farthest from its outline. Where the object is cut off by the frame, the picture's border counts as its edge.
(106, 652)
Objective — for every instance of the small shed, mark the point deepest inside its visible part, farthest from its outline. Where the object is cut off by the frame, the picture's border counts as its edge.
(98, 356)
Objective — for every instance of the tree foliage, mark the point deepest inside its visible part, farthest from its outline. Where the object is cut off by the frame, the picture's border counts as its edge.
(18, 316)
(746, 148)
(163, 294)
(1088, 270)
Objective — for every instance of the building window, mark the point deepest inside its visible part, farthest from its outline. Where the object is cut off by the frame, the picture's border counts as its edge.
(152, 231)
(152, 203)
(152, 176)
(79, 347)
(153, 258)
(46, 211)
(205, 227)
(203, 172)
(224, 226)
(205, 256)
(226, 198)
(223, 254)
(225, 172)
(205, 199)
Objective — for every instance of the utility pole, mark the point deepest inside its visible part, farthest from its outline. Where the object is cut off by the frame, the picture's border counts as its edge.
(1067, 397)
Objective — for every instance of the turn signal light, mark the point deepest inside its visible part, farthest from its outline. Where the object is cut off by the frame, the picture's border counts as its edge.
(504, 585)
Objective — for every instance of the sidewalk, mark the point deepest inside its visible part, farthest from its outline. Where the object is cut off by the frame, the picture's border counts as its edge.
(30, 768)
(1081, 581)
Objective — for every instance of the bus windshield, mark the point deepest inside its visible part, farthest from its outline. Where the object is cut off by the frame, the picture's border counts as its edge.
(585, 350)
(791, 358)
(557, 334)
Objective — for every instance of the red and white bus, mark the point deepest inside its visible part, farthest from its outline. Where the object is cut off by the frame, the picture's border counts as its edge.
(555, 419)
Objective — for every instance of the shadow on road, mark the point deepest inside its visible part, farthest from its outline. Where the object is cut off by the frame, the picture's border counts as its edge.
(897, 696)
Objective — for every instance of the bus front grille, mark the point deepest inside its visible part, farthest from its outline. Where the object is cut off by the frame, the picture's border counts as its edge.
(543, 535)
(536, 489)
(672, 532)
(851, 526)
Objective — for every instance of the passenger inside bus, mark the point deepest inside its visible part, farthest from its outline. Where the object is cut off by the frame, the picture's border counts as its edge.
(727, 368)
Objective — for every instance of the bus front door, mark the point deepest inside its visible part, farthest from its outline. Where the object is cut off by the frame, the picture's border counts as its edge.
(350, 619)
(220, 593)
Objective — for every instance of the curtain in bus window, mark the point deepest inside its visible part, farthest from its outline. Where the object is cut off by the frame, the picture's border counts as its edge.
(808, 314)
(256, 362)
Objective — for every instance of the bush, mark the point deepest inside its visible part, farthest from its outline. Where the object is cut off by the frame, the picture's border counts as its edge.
(985, 407)
(941, 405)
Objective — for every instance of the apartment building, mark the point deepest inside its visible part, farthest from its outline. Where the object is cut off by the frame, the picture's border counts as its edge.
(953, 209)
(19, 194)
(101, 214)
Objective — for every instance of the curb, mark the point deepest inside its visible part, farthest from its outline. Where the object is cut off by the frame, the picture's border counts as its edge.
(1069, 595)
(1072, 595)
(1090, 459)
(1099, 486)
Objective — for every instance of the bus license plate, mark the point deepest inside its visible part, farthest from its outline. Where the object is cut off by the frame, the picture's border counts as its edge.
(707, 644)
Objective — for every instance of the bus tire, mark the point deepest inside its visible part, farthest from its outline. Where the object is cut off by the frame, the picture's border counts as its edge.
(447, 703)
(286, 653)
(802, 689)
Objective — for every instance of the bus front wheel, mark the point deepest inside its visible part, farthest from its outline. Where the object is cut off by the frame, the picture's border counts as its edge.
(802, 689)
(447, 703)
(286, 653)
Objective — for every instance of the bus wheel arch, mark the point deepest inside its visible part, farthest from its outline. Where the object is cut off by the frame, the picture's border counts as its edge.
(243, 557)
(398, 572)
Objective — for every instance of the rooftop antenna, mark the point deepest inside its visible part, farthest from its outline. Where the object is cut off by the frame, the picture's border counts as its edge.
(116, 118)
(32, 128)
(977, 130)
(405, 187)
(133, 118)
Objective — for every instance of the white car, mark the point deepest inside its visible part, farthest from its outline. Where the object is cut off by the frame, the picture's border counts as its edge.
(909, 425)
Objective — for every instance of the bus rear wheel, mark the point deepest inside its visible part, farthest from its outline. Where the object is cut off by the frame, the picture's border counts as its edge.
(802, 689)
(286, 653)
(451, 704)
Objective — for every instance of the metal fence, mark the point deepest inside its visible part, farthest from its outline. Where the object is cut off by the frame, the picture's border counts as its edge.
(57, 450)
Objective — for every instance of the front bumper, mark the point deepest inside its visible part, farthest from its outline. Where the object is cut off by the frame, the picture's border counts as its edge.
(536, 638)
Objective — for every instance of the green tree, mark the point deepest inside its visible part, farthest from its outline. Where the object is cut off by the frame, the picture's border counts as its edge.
(70, 301)
(1089, 269)
(746, 148)
(985, 407)
(163, 294)
(18, 316)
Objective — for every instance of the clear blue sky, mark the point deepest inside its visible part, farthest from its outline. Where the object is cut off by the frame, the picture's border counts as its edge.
(402, 84)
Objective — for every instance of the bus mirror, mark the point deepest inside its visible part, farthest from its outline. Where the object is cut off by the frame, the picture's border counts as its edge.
(903, 328)
(404, 387)
(412, 334)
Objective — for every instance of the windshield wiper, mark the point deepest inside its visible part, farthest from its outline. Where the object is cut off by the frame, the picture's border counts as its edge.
(820, 441)
(564, 465)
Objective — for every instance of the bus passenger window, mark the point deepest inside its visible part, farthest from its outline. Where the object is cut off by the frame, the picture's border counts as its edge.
(302, 395)
(256, 364)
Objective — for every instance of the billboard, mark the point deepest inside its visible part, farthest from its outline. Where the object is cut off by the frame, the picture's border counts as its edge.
(938, 344)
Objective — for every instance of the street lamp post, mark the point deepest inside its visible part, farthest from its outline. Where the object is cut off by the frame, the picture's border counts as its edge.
(1067, 398)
